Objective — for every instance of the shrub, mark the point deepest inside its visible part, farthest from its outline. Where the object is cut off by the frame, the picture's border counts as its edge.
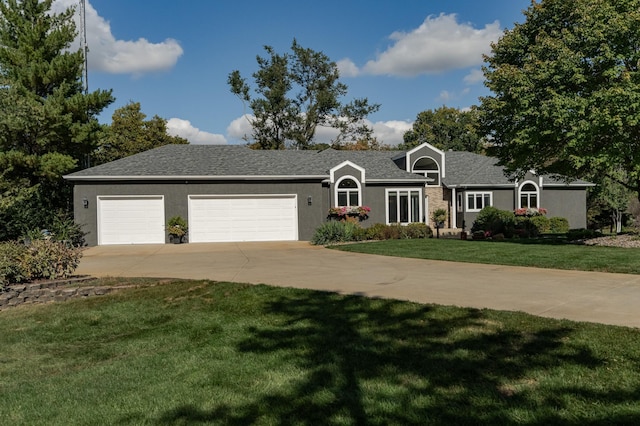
(540, 223)
(41, 259)
(49, 259)
(558, 225)
(335, 232)
(376, 231)
(12, 268)
(417, 230)
(495, 221)
(582, 234)
(64, 228)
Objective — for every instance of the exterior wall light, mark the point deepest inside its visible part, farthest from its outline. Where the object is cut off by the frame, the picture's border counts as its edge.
(309, 200)
(85, 203)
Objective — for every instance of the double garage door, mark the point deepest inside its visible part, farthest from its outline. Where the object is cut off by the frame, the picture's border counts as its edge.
(141, 220)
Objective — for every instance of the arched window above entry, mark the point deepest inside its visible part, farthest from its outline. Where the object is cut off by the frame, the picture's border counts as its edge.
(429, 167)
(529, 195)
(348, 192)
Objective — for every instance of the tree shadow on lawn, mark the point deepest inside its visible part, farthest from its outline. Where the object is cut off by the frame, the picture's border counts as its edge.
(386, 362)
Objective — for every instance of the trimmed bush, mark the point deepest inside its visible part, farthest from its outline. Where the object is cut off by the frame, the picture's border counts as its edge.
(582, 234)
(540, 223)
(495, 221)
(558, 225)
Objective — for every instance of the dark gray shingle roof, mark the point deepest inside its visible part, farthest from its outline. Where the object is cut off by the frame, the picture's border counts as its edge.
(221, 161)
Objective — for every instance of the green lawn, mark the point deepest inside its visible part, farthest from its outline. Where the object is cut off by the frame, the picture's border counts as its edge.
(542, 254)
(199, 352)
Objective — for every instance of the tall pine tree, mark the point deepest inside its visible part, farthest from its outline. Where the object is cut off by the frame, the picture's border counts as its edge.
(48, 125)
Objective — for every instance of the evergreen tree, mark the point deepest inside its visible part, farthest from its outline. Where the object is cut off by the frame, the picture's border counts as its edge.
(48, 124)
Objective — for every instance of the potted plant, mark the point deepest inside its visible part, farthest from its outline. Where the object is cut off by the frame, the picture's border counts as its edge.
(177, 229)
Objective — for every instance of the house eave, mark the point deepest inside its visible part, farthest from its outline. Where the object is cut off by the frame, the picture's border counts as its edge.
(194, 177)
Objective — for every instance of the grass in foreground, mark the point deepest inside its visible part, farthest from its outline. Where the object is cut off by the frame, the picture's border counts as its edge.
(541, 254)
(194, 352)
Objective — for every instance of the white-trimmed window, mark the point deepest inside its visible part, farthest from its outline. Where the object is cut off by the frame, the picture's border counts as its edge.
(529, 195)
(476, 201)
(404, 205)
(429, 167)
(348, 192)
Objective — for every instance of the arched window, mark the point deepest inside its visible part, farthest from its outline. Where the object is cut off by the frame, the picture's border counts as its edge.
(348, 192)
(529, 196)
(429, 167)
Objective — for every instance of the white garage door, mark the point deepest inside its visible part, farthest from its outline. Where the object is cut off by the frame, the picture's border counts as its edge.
(131, 220)
(243, 218)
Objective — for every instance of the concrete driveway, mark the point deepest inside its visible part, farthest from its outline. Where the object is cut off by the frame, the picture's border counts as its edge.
(575, 295)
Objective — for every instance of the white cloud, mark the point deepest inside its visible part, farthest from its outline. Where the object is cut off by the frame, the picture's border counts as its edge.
(347, 68)
(184, 128)
(391, 132)
(110, 55)
(447, 96)
(440, 44)
(240, 128)
(387, 132)
(474, 77)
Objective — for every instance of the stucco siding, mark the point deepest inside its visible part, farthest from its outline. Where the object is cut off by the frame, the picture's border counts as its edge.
(176, 199)
(566, 202)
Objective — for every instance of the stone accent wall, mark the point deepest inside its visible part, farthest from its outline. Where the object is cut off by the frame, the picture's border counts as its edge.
(50, 291)
(439, 198)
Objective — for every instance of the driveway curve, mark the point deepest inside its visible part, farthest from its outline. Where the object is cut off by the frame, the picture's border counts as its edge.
(576, 295)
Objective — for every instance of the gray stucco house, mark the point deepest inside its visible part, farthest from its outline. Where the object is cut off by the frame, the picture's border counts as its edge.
(233, 193)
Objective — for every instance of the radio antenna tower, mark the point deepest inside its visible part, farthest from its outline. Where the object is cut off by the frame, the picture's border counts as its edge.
(84, 47)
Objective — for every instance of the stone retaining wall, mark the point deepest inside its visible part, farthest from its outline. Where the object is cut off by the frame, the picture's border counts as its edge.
(49, 291)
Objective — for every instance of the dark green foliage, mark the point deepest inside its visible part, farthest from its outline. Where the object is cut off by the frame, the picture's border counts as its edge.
(582, 234)
(296, 93)
(558, 225)
(130, 133)
(446, 128)
(48, 125)
(566, 91)
(495, 221)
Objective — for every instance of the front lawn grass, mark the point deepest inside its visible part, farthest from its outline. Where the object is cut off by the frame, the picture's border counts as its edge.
(536, 253)
(199, 352)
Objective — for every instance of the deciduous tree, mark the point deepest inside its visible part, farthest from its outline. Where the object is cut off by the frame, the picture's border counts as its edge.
(130, 133)
(446, 128)
(566, 91)
(295, 93)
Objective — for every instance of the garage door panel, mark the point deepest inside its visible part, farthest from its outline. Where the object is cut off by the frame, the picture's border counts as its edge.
(243, 218)
(131, 220)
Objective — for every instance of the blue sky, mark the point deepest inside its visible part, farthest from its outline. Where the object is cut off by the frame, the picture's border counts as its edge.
(174, 57)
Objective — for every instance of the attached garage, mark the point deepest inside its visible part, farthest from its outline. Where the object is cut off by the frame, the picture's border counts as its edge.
(130, 220)
(217, 218)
